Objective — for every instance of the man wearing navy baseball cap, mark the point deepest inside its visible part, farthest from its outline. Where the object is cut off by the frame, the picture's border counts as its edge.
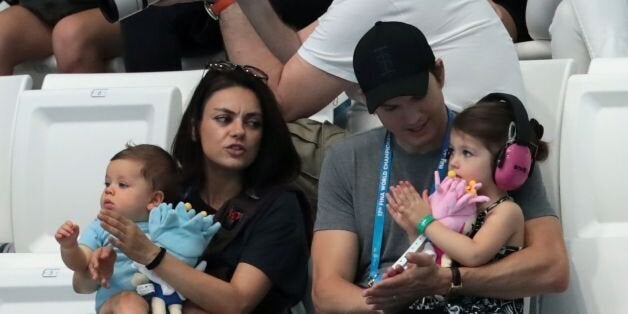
(355, 240)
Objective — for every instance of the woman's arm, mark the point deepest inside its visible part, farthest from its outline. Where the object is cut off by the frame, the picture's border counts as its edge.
(500, 226)
(248, 286)
(274, 255)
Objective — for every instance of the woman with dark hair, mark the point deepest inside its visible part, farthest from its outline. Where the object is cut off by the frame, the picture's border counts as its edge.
(236, 155)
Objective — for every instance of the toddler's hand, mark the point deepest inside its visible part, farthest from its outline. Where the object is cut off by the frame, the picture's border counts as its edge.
(101, 265)
(67, 234)
(407, 207)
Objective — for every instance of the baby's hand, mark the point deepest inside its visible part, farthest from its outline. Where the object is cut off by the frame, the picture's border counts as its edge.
(407, 207)
(101, 265)
(67, 234)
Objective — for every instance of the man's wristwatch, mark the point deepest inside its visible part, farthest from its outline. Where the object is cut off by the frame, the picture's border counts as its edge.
(456, 283)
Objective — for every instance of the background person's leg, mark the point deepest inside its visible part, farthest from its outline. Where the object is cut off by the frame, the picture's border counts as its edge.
(150, 41)
(23, 37)
(84, 42)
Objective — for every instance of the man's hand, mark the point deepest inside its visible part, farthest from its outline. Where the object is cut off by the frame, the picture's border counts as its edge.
(101, 265)
(67, 235)
(400, 288)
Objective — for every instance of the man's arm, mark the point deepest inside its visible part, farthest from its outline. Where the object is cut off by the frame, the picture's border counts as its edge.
(334, 260)
(281, 40)
(541, 267)
(300, 88)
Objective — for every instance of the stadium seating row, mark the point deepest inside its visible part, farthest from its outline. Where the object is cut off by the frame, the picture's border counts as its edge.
(55, 143)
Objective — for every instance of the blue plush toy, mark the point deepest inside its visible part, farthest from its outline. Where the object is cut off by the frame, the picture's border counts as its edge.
(184, 234)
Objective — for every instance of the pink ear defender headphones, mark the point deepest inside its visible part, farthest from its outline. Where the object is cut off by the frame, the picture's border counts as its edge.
(515, 161)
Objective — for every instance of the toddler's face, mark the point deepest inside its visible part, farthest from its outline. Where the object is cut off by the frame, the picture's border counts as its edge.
(126, 190)
(470, 158)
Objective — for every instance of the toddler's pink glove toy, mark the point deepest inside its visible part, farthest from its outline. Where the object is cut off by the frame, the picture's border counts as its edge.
(453, 201)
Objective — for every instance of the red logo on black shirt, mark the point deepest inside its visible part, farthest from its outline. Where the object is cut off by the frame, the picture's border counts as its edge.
(234, 215)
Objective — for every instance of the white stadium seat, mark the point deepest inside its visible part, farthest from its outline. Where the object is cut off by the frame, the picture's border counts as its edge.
(10, 89)
(63, 142)
(593, 195)
(609, 66)
(185, 81)
(539, 15)
(545, 84)
(35, 283)
(38, 69)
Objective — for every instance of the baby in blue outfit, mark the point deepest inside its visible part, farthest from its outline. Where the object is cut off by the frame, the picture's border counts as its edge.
(138, 179)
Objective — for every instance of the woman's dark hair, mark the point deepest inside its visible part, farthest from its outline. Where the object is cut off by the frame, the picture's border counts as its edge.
(488, 121)
(277, 161)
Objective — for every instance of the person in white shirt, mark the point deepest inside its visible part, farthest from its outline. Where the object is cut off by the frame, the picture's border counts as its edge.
(310, 68)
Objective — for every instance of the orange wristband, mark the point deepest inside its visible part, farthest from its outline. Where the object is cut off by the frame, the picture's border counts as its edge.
(214, 9)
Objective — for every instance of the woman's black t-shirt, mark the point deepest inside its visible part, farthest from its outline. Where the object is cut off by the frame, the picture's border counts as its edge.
(273, 240)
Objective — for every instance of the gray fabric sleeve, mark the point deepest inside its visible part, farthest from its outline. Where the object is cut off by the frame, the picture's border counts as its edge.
(335, 201)
(532, 197)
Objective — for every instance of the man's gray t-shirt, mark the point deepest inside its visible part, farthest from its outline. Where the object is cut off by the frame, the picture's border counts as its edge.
(348, 188)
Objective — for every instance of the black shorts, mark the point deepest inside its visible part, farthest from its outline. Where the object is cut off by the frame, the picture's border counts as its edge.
(52, 11)
(517, 10)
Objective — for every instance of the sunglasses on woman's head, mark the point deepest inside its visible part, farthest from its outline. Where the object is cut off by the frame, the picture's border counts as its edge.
(225, 66)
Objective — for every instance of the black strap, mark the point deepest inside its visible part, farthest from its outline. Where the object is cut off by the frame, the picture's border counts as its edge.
(157, 260)
(239, 213)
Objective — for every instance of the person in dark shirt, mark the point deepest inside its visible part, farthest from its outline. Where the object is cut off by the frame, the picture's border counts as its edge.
(157, 38)
(236, 157)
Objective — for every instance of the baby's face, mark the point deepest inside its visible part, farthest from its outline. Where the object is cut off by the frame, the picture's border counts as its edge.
(469, 158)
(126, 190)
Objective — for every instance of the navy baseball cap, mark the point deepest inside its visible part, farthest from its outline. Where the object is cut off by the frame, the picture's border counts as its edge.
(392, 59)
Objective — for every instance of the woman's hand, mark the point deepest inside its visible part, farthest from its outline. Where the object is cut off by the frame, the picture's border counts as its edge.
(128, 237)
